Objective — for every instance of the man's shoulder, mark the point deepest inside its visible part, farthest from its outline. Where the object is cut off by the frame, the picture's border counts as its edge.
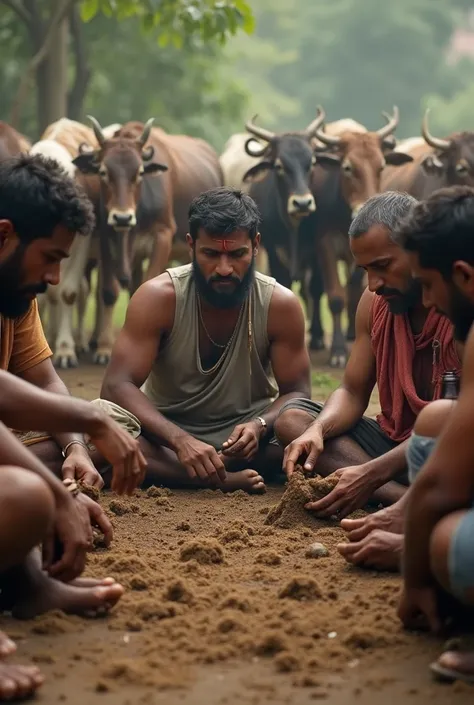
(156, 298)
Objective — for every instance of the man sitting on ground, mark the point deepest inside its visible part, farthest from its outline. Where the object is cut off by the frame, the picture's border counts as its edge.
(196, 362)
(438, 555)
(400, 345)
(41, 212)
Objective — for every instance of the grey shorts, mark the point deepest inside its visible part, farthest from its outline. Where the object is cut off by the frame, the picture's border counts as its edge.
(366, 433)
(461, 550)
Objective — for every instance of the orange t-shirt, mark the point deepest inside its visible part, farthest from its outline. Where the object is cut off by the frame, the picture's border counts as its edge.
(22, 342)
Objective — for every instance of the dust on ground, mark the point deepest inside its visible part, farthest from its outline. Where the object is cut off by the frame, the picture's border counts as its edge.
(225, 606)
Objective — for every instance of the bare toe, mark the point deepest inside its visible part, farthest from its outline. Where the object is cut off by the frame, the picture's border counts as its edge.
(7, 646)
(18, 681)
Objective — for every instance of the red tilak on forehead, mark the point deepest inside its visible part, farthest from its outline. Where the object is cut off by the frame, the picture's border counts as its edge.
(224, 244)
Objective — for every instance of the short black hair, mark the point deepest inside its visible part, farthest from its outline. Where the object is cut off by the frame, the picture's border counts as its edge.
(441, 229)
(386, 209)
(223, 210)
(36, 195)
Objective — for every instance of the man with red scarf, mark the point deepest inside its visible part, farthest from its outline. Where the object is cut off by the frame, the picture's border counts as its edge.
(402, 347)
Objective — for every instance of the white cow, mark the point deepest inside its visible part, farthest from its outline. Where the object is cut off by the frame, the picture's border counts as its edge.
(61, 142)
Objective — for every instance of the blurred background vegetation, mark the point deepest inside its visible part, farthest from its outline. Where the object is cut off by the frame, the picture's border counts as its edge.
(203, 67)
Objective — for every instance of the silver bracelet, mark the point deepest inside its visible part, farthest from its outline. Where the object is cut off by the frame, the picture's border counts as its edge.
(71, 443)
(262, 422)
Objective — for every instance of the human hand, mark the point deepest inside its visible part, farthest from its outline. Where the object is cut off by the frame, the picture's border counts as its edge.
(79, 466)
(353, 490)
(244, 440)
(123, 452)
(309, 446)
(200, 459)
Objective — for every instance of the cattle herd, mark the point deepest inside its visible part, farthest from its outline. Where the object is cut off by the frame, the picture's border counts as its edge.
(308, 185)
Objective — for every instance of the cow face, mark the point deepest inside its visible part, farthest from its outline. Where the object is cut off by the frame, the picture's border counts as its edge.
(362, 158)
(453, 163)
(121, 165)
(290, 158)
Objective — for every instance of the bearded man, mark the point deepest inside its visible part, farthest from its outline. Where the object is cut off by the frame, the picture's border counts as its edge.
(402, 346)
(208, 354)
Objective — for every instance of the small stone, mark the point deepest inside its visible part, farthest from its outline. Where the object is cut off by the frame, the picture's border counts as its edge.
(316, 550)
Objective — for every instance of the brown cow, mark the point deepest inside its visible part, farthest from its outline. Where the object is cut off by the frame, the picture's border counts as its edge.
(12, 142)
(141, 181)
(349, 164)
(436, 163)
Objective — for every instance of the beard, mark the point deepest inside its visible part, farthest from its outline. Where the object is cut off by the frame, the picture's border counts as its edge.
(232, 292)
(15, 300)
(461, 314)
(402, 301)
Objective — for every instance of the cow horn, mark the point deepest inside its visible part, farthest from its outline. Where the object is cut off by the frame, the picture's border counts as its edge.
(330, 140)
(258, 151)
(97, 130)
(142, 140)
(428, 137)
(392, 122)
(259, 131)
(317, 122)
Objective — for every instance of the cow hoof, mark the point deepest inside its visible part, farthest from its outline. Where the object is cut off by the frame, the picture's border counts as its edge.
(82, 350)
(66, 361)
(101, 357)
(338, 360)
(316, 344)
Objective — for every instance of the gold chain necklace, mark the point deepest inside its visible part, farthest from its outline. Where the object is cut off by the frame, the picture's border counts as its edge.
(201, 318)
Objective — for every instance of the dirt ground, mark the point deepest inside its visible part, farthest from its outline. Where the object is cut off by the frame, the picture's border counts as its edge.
(222, 608)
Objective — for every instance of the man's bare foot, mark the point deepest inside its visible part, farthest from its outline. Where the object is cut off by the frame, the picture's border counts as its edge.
(455, 665)
(380, 550)
(49, 594)
(18, 681)
(248, 480)
(7, 646)
(388, 519)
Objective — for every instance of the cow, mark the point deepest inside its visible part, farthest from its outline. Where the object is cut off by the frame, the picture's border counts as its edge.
(141, 181)
(279, 183)
(349, 164)
(436, 163)
(12, 142)
(61, 141)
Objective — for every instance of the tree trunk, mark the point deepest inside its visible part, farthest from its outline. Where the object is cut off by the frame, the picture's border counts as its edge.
(83, 71)
(52, 78)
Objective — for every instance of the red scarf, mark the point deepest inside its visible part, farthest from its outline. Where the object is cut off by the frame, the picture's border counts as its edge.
(394, 346)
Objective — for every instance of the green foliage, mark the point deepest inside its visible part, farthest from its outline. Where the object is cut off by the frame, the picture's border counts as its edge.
(176, 20)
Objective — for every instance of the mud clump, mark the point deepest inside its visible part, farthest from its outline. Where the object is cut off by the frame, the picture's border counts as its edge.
(301, 588)
(204, 551)
(290, 511)
(316, 550)
(158, 492)
(88, 490)
(119, 507)
(178, 591)
(268, 558)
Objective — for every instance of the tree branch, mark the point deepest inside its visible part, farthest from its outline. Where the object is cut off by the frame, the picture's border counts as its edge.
(62, 11)
(83, 72)
(19, 9)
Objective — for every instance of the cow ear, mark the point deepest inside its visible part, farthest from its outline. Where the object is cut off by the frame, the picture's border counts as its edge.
(87, 163)
(152, 168)
(397, 158)
(257, 173)
(388, 143)
(432, 164)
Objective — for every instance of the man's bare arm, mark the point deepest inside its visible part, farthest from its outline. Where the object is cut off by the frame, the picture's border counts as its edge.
(446, 483)
(347, 404)
(150, 316)
(44, 376)
(288, 352)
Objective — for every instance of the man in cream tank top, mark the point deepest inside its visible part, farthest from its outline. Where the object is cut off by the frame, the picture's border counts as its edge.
(208, 354)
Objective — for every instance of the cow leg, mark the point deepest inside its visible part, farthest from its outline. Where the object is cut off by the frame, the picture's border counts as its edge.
(67, 294)
(82, 344)
(261, 264)
(108, 292)
(327, 259)
(354, 292)
(316, 290)
(278, 269)
(137, 275)
(162, 245)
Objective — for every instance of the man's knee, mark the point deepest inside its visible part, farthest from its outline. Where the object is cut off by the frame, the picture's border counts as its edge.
(26, 500)
(290, 424)
(432, 418)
